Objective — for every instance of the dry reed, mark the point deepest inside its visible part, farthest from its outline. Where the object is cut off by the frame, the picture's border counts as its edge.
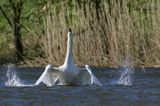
(105, 33)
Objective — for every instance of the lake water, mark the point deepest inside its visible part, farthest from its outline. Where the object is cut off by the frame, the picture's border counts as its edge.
(144, 90)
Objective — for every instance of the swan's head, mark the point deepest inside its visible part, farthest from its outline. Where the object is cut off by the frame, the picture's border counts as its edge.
(69, 32)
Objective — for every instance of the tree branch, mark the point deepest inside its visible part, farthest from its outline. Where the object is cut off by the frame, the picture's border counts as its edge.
(6, 17)
(19, 8)
(12, 4)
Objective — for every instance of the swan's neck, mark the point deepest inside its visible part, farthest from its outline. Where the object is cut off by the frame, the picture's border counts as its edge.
(69, 58)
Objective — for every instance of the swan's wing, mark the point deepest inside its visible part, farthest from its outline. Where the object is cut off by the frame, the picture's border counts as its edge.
(87, 76)
(49, 76)
(94, 79)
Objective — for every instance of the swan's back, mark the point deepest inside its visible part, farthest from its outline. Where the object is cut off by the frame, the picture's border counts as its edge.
(69, 74)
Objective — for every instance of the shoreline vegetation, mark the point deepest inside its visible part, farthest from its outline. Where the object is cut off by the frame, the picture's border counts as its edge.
(105, 32)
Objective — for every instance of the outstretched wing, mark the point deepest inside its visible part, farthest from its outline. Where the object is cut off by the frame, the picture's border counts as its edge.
(49, 76)
(87, 76)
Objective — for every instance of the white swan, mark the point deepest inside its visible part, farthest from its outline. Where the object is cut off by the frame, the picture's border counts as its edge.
(68, 73)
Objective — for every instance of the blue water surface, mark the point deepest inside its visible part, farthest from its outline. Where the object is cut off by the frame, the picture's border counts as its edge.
(144, 91)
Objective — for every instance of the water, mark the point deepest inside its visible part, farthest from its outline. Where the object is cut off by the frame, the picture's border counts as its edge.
(144, 90)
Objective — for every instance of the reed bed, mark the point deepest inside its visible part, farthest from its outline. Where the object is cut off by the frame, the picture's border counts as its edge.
(105, 32)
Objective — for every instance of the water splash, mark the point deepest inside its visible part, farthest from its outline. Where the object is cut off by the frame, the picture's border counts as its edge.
(12, 78)
(126, 77)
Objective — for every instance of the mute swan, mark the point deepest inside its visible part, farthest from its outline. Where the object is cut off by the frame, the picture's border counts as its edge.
(68, 73)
